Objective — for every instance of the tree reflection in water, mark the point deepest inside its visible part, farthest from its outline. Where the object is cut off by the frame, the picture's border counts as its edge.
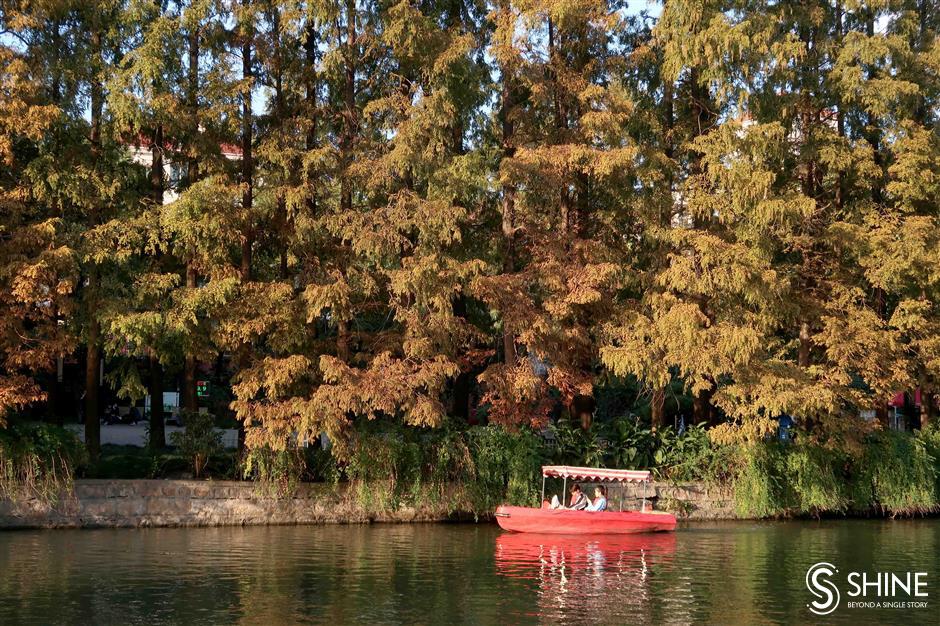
(595, 576)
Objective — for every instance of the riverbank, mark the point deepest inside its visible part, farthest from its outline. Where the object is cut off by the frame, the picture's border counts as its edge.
(155, 503)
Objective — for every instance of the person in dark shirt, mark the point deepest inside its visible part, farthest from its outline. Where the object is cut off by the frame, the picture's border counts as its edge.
(579, 500)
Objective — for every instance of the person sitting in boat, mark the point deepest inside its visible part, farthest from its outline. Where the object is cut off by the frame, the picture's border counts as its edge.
(600, 499)
(579, 500)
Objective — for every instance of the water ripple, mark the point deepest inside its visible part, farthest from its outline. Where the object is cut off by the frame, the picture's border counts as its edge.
(721, 573)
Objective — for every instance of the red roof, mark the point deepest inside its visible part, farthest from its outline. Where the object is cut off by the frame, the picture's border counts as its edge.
(142, 140)
(230, 148)
(594, 473)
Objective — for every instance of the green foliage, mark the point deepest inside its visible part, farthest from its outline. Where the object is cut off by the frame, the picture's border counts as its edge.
(576, 446)
(931, 438)
(627, 443)
(757, 486)
(505, 461)
(893, 472)
(729, 209)
(897, 473)
(38, 461)
(691, 456)
(131, 462)
(815, 479)
(198, 441)
(632, 445)
(473, 469)
(278, 472)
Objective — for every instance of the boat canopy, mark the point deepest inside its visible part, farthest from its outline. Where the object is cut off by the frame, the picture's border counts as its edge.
(594, 473)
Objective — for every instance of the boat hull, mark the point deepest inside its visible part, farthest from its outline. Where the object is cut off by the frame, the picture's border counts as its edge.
(564, 522)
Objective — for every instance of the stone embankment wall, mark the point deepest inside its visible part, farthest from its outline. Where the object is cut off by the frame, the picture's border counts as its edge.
(693, 501)
(143, 503)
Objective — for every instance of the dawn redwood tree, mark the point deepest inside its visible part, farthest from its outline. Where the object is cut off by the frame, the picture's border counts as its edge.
(78, 172)
(842, 353)
(284, 339)
(375, 252)
(760, 297)
(38, 272)
(889, 79)
(531, 198)
(309, 62)
(171, 93)
(419, 189)
(566, 163)
(201, 228)
(145, 96)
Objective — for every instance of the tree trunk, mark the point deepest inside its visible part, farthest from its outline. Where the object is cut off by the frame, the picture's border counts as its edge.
(840, 108)
(247, 172)
(93, 358)
(464, 380)
(350, 123)
(805, 345)
(310, 95)
(156, 167)
(881, 414)
(507, 102)
(190, 401)
(54, 399)
(702, 409)
(349, 105)
(193, 101)
(157, 440)
(508, 267)
(92, 381)
(247, 180)
(926, 408)
(155, 389)
(582, 409)
(872, 131)
(657, 408)
(565, 216)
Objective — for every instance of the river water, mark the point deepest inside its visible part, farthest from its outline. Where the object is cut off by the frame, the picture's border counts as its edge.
(721, 573)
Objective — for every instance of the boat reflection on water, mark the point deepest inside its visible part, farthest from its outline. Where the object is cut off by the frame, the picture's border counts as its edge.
(590, 576)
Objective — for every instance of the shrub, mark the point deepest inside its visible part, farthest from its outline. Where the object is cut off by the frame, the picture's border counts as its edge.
(38, 461)
(198, 441)
(277, 471)
(507, 466)
(690, 455)
(757, 487)
(896, 473)
(464, 468)
(931, 439)
(576, 446)
(814, 479)
(625, 442)
(631, 445)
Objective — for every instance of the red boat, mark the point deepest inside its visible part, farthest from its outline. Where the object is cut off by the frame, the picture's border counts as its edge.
(569, 522)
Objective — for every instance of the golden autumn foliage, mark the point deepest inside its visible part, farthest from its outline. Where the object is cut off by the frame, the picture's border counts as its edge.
(416, 211)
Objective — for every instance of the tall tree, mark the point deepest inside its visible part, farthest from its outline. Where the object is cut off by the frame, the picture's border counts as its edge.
(37, 266)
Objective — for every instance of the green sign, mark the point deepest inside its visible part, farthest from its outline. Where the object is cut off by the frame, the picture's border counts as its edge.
(202, 388)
